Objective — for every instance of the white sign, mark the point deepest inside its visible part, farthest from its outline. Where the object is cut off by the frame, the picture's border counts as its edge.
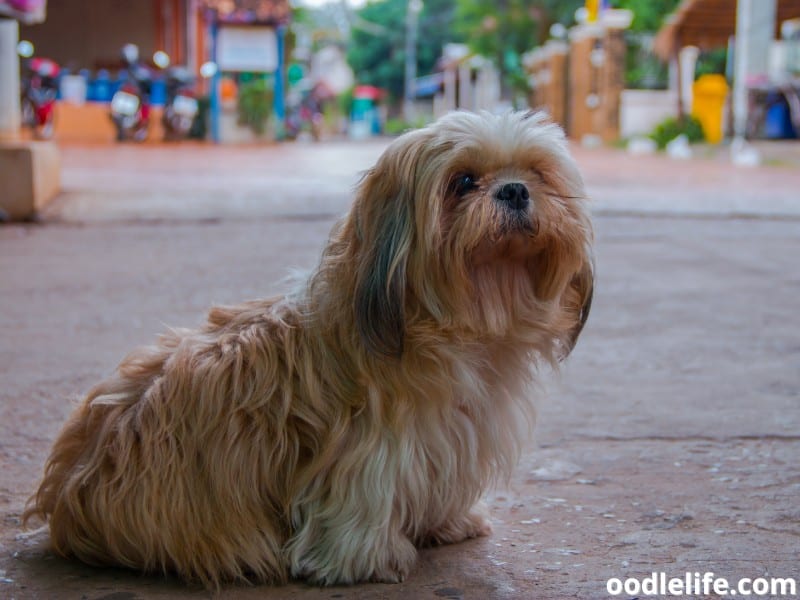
(250, 48)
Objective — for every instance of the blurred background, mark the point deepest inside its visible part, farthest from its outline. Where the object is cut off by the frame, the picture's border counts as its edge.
(610, 71)
(158, 157)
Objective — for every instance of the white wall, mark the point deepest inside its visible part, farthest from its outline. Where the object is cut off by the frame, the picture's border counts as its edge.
(641, 110)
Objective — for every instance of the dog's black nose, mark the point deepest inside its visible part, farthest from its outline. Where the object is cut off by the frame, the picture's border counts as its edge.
(515, 195)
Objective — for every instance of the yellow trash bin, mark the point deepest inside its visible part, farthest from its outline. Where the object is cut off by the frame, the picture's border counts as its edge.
(708, 103)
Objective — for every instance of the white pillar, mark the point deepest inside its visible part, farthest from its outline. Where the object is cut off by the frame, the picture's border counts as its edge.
(755, 30)
(450, 87)
(9, 80)
(687, 58)
(465, 101)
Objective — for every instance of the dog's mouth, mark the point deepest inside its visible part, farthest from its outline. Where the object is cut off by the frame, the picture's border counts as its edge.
(513, 241)
(518, 223)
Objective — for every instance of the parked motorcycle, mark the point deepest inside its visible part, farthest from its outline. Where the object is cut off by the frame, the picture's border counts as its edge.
(181, 106)
(304, 114)
(130, 105)
(39, 90)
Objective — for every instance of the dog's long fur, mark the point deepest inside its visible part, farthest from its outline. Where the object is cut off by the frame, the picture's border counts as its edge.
(328, 433)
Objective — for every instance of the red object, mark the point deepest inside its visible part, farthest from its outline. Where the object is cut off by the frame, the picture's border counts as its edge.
(43, 67)
(144, 107)
(368, 91)
(44, 112)
(39, 88)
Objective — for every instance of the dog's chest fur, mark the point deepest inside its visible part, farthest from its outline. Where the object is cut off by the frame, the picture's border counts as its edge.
(436, 430)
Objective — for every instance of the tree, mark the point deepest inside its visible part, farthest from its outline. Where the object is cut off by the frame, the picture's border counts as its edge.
(506, 29)
(376, 51)
(643, 69)
(376, 54)
(648, 15)
(436, 28)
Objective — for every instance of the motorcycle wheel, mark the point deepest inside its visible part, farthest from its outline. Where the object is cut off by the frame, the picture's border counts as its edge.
(119, 130)
(140, 133)
(169, 130)
(184, 125)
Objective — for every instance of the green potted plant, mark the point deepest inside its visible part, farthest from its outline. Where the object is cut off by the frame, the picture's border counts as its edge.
(254, 105)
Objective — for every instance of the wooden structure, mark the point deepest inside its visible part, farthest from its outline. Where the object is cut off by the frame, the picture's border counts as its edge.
(580, 83)
(708, 24)
(547, 66)
(583, 83)
(89, 34)
(610, 84)
(171, 26)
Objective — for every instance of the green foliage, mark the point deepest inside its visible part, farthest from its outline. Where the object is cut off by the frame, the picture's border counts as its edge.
(399, 126)
(504, 30)
(670, 128)
(395, 126)
(301, 15)
(435, 30)
(648, 15)
(379, 59)
(345, 101)
(712, 62)
(643, 69)
(255, 105)
(501, 31)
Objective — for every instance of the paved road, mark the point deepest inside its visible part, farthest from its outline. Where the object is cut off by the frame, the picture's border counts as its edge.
(671, 443)
(212, 182)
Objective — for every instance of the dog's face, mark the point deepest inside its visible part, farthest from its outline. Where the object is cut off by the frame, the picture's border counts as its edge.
(477, 221)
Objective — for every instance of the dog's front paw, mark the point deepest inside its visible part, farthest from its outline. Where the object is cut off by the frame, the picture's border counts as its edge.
(385, 561)
(473, 524)
(395, 572)
(395, 561)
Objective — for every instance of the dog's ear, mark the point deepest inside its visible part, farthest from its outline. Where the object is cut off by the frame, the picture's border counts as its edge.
(384, 222)
(381, 288)
(579, 298)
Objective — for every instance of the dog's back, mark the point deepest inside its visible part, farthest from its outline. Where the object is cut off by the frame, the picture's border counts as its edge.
(131, 480)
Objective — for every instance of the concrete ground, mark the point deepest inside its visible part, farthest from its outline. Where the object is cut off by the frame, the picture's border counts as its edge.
(671, 443)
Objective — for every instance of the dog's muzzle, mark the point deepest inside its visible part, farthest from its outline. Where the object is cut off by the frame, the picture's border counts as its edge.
(514, 201)
(514, 196)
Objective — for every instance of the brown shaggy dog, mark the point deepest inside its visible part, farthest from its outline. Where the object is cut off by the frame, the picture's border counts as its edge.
(328, 433)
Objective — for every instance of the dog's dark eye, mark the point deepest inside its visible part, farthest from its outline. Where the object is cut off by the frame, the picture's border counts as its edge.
(464, 183)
